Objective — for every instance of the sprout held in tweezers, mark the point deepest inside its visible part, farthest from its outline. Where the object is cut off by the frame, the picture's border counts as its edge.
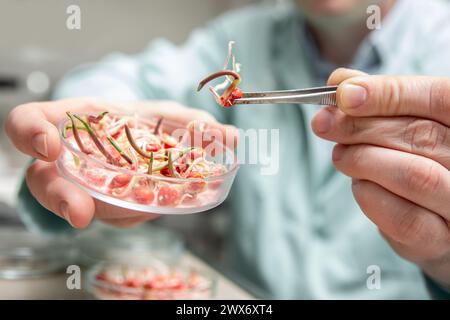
(230, 88)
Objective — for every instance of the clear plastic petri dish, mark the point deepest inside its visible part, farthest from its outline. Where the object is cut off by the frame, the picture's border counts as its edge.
(154, 280)
(27, 255)
(102, 243)
(169, 194)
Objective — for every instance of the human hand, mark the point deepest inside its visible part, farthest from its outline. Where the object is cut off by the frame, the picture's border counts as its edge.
(393, 140)
(32, 129)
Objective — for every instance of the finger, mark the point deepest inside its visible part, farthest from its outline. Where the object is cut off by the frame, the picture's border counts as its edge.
(402, 220)
(58, 195)
(418, 179)
(425, 97)
(342, 74)
(32, 134)
(421, 255)
(423, 137)
(106, 211)
(31, 127)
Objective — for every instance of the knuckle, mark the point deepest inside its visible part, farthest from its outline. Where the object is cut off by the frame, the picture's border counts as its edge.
(392, 91)
(352, 126)
(339, 70)
(335, 74)
(357, 155)
(424, 135)
(422, 176)
(439, 98)
(411, 227)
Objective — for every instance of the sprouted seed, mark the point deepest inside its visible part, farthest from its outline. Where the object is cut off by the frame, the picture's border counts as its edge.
(146, 150)
(230, 88)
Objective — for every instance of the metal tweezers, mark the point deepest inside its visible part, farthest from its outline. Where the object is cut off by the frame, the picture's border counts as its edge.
(317, 96)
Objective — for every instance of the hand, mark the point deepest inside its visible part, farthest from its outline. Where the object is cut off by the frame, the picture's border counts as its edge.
(393, 140)
(31, 128)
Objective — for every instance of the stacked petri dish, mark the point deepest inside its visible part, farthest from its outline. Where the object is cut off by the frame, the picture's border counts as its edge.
(142, 263)
(153, 280)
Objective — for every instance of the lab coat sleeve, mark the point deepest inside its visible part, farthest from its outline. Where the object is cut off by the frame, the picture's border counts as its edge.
(162, 71)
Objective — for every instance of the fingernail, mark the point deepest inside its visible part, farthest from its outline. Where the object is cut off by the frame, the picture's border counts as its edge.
(353, 96)
(64, 209)
(323, 122)
(39, 143)
(338, 152)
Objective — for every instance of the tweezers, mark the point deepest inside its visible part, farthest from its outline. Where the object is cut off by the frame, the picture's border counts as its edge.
(316, 96)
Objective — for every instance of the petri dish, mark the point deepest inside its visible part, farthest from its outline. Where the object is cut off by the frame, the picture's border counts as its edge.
(103, 243)
(171, 195)
(27, 255)
(154, 280)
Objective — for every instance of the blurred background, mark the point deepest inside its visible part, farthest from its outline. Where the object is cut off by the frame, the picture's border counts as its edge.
(37, 49)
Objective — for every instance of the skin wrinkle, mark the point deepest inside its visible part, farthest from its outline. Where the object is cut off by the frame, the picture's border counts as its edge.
(395, 92)
(411, 227)
(353, 126)
(445, 144)
(439, 99)
(433, 136)
(424, 136)
(407, 130)
(431, 99)
(400, 227)
(417, 178)
(428, 236)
